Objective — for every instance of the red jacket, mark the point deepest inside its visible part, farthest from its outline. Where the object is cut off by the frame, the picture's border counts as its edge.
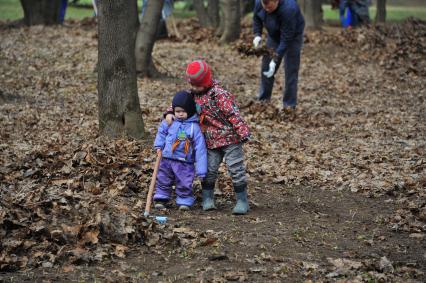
(220, 118)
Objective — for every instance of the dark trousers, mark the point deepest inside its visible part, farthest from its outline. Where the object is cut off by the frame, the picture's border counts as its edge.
(291, 70)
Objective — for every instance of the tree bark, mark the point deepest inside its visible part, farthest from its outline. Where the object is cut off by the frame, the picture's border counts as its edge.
(312, 11)
(145, 39)
(232, 19)
(381, 11)
(213, 13)
(41, 12)
(207, 16)
(118, 101)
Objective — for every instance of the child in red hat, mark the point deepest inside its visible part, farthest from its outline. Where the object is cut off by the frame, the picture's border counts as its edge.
(224, 131)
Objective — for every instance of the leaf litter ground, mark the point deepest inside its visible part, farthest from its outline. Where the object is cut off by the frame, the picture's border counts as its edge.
(337, 194)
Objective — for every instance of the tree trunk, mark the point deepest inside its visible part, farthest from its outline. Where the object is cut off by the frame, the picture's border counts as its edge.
(207, 16)
(312, 11)
(381, 11)
(119, 109)
(41, 12)
(232, 19)
(145, 39)
(213, 13)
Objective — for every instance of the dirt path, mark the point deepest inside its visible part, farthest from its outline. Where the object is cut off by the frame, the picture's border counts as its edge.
(291, 234)
(294, 234)
(338, 194)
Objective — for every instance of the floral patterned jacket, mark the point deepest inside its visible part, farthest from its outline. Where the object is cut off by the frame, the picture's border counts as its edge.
(220, 119)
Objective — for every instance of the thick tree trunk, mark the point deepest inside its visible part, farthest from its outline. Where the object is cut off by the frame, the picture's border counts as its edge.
(312, 12)
(381, 11)
(208, 16)
(145, 39)
(213, 13)
(119, 109)
(232, 21)
(41, 12)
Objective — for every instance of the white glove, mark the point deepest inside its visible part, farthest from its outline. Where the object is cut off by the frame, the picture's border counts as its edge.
(271, 70)
(256, 41)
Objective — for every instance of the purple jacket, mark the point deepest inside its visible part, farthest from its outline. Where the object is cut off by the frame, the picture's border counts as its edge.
(177, 134)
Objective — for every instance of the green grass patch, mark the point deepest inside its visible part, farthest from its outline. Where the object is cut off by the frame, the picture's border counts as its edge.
(394, 13)
(78, 13)
(10, 10)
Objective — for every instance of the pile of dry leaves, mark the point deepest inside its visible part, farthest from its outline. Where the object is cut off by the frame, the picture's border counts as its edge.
(399, 48)
(74, 207)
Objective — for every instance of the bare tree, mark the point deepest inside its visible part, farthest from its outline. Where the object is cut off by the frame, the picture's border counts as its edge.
(381, 11)
(232, 18)
(208, 16)
(118, 101)
(312, 12)
(41, 12)
(145, 39)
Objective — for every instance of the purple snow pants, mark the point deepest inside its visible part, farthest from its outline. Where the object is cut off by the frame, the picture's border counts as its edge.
(181, 174)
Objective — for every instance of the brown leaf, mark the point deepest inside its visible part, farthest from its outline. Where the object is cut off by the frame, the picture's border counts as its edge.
(120, 251)
(90, 237)
(67, 268)
(209, 241)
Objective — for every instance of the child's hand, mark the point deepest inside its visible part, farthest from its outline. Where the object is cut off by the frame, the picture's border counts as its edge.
(170, 118)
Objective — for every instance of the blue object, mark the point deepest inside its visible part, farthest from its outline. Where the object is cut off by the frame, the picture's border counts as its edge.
(161, 219)
(64, 4)
(208, 199)
(346, 18)
(181, 174)
(242, 205)
(167, 136)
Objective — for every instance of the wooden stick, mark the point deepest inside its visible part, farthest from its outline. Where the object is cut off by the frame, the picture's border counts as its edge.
(152, 185)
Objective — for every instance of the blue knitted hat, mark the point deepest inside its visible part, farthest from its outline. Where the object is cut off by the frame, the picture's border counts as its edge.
(185, 100)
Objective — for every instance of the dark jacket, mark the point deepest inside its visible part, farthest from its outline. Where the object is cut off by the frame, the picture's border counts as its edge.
(283, 25)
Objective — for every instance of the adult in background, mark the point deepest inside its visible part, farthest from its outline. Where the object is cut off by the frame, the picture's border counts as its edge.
(166, 12)
(284, 24)
(358, 11)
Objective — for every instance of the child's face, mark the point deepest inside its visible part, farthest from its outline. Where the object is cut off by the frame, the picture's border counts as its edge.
(180, 113)
(197, 89)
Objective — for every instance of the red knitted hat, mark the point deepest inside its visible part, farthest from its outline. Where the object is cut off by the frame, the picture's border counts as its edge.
(198, 73)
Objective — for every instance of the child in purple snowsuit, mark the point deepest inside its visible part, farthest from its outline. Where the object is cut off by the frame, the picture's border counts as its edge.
(182, 144)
